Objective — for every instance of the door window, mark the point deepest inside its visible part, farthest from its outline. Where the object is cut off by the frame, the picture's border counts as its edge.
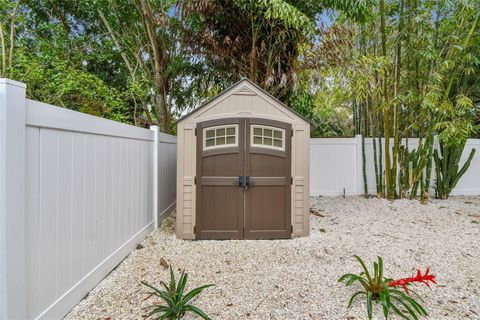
(267, 137)
(220, 137)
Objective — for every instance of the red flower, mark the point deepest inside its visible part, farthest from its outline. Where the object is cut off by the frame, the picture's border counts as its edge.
(418, 278)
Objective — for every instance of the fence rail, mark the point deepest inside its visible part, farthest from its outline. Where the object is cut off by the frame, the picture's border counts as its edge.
(336, 167)
(77, 194)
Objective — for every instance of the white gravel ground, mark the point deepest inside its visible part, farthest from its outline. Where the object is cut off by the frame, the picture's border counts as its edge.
(297, 279)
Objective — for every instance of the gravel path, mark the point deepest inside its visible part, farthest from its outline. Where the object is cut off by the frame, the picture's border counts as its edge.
(297, 279)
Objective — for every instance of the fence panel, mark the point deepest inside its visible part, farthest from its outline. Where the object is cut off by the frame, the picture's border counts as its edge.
(89, 201)
(333, 166)
(87, 198)
(337, 165)
(167, 174)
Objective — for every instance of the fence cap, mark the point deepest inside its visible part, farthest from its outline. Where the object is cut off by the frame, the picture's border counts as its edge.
(13, 82)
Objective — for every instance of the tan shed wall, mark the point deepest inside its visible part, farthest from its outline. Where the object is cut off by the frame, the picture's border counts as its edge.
(242, 101)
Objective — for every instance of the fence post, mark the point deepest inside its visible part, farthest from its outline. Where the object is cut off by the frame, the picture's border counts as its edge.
(12, 200)
(155, 176)
(359, 163)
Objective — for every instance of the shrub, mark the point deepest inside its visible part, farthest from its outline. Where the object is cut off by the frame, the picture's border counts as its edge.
(176, 303)
(378, 288)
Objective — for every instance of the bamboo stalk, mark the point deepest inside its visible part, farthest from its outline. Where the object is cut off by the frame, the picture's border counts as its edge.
(374, 144)
(428, 173)
(4, 56)
(396, 113)
(386, 106)
(364, 167)
(12, 37)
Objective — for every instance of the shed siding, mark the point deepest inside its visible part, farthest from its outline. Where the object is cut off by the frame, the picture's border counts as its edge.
(242, 101)
(301, 189)
(186, 163)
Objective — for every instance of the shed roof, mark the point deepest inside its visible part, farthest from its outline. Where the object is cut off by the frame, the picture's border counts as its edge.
(230, 90)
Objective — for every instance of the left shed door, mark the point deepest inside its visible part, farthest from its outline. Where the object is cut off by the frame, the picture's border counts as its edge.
(220, 161)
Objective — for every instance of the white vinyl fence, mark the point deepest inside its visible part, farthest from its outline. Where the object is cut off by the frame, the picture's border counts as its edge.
(336, 167)
(77, 194)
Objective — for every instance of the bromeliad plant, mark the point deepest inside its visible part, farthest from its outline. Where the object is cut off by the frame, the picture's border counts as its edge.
(176, 303)
(385, 290)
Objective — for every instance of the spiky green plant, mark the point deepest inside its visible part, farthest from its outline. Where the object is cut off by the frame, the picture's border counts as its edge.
(408, 159)
(377, 288)
(176, 303)
(447, 168)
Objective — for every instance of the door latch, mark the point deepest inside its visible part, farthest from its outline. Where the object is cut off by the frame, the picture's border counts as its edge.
(244, 182)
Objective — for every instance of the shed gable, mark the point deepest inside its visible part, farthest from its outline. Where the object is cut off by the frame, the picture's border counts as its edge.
(243, 105)
(244, 100)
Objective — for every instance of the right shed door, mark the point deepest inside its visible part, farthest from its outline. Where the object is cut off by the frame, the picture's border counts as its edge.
(267, 163)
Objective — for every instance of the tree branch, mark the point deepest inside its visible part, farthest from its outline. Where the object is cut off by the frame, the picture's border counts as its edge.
(117, 43)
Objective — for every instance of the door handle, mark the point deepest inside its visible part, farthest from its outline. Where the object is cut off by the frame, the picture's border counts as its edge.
(244, 182)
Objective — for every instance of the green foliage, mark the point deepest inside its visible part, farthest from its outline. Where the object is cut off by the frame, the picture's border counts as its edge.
(176, 301)
(456, 124)
(9, 20)
(326, 107)
(68, 56)
(148, 62)
(261, 40)
(265, 40)
(279, 11)
(52, 78)
(57, 67)
(375, 288)
(353, 9)
(410, 76)
(448, 171)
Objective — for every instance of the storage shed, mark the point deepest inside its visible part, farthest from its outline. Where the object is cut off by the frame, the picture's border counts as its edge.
(243, 168)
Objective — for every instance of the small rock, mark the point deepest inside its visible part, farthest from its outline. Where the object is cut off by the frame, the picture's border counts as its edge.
(164, 263)
(316, 212)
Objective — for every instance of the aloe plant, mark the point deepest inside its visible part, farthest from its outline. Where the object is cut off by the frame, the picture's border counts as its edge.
(176, 303)
(378, 288)
(448, 171)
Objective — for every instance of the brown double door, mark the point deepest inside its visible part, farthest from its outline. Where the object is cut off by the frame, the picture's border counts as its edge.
(243, 179)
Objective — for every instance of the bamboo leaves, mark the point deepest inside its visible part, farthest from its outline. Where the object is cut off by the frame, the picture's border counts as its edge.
(408, 81)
